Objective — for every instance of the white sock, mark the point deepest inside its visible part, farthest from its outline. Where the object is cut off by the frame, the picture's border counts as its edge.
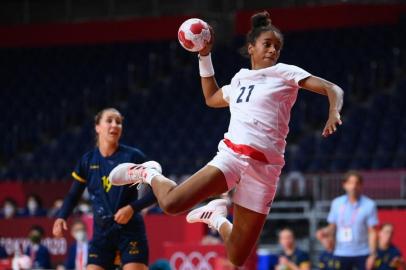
(151, 173)
(218, 221)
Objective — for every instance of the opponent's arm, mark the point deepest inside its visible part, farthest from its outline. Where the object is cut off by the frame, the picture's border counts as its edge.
(335, 96)
(124, 214)
(145, 201)
(71, 200)
(213, 95)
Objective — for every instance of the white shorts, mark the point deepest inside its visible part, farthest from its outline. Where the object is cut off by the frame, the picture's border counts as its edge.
(255, 182)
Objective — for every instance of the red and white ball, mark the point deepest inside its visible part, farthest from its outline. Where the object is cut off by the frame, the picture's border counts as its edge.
(193, 34)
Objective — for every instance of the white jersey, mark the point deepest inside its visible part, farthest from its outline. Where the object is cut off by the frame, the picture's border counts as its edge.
(260, 102)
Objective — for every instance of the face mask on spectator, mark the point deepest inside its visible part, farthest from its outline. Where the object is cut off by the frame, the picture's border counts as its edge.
(35, 238)
(8, 210)
(80, 236)
(84, 208)
(32, 205)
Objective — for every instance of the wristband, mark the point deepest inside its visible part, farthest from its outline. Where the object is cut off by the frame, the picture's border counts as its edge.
(205, 66)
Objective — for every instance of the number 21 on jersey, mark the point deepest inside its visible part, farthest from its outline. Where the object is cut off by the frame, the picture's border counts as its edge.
(245, 98)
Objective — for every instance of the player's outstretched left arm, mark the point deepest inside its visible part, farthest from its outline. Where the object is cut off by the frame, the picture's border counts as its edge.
(335, 96)
(213, 94)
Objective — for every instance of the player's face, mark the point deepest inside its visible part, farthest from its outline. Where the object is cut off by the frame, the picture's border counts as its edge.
(110, 127)
(286, 239)
(266, 50)
(385, 235)
(353, 186)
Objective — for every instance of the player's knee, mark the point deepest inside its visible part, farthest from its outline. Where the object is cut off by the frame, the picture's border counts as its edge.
(170, 207)
(236, 259)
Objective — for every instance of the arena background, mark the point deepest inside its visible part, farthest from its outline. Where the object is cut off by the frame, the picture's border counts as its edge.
(62, 61)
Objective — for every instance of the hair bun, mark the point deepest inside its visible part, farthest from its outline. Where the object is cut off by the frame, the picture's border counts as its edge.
(261, 19)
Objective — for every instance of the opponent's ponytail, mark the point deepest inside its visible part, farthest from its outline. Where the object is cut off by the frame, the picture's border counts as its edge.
(260, 22)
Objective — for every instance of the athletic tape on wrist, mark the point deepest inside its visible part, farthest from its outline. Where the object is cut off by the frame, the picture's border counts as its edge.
(205, 66)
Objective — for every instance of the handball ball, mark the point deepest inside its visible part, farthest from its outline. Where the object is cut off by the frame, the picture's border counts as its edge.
(193, 34)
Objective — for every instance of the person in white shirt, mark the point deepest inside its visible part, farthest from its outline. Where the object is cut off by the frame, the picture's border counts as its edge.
(251, 156)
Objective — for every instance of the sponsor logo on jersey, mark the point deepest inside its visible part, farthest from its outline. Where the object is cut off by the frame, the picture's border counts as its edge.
(133, 248)
(94, 167)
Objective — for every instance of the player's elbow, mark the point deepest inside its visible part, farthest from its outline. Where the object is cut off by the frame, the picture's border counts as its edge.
(210, 103)
(216, 103)
(336, 89)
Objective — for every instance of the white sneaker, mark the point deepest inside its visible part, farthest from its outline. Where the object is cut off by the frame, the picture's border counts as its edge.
(131, 173)
(208, 213)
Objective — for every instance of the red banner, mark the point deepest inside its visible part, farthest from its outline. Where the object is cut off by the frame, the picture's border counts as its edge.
(19, 190)
(165, 28)
(14, 234)
(183, 256)
(325, 17)
(146, 29)
(160, 229)
(193, 256)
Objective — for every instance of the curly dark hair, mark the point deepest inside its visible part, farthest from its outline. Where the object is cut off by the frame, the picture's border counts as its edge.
(260, 22)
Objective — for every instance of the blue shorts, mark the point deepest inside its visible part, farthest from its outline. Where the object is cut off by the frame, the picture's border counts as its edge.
(351, 263)
(118, 248)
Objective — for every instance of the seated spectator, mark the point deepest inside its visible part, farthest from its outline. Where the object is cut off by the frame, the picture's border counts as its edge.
(33, 207)
(291, 258)
(83, 208)
(388, 256)
(77, 253)
(38, 253)
(53, 212)
(326, 258)
(160, 264)
(9, 209)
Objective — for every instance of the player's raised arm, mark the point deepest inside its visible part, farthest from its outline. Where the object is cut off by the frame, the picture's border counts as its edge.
(196, 35)
(213, 95)
(335, 96)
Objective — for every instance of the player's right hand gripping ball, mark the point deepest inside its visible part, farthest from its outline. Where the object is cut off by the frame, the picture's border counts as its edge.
(194, 34)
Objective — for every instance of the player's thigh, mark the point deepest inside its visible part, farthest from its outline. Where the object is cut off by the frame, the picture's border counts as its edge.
(134, 249)
(102, 252)
(135, 266)
(207, 182)
(247, 226)
(257, 187)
